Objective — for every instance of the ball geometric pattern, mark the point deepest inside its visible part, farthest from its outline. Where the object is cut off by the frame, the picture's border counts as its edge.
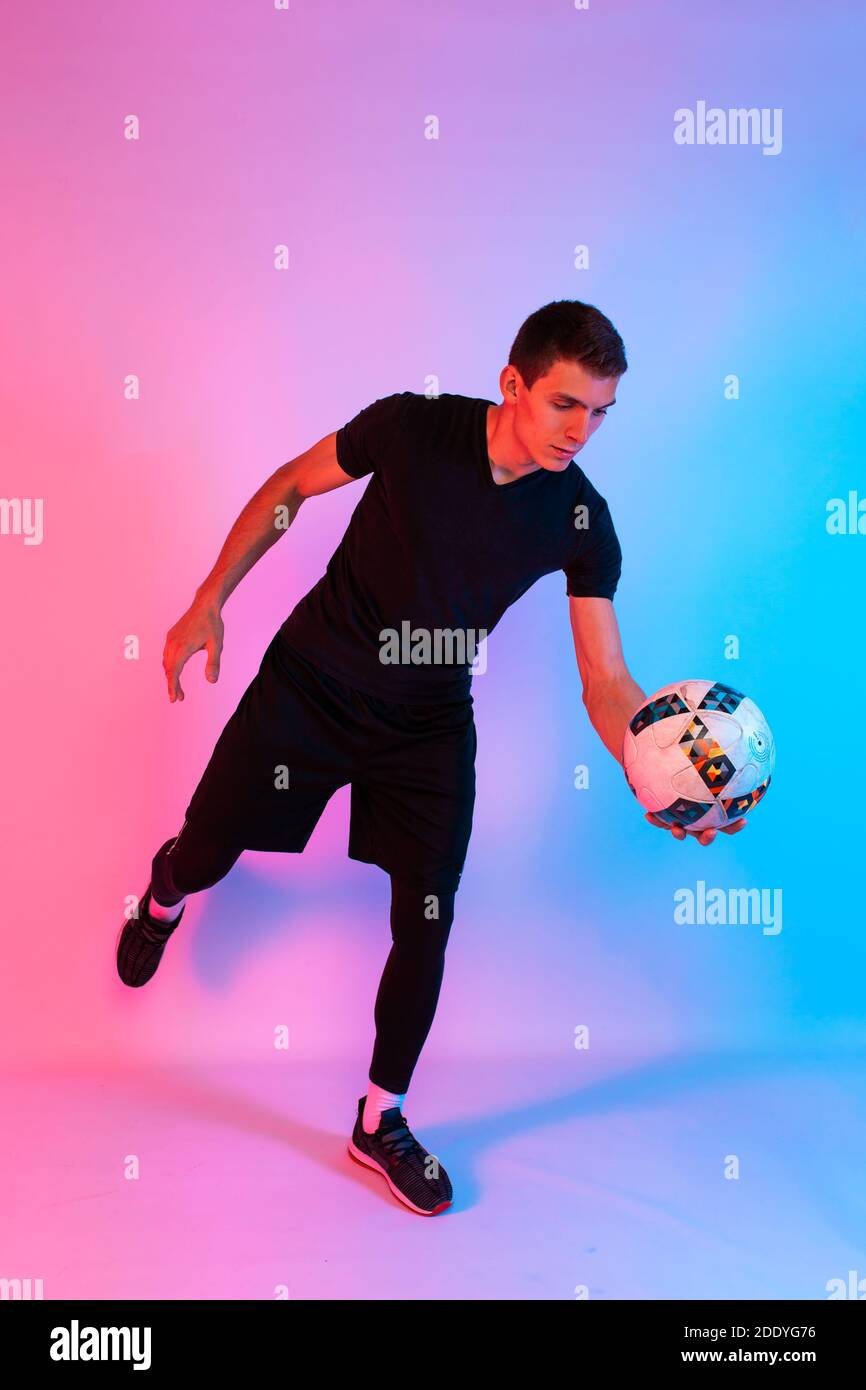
(698, 754)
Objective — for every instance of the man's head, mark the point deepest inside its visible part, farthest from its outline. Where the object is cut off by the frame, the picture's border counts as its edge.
(561, 377)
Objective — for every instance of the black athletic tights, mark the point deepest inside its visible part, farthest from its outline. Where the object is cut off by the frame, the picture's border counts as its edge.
(409, 989)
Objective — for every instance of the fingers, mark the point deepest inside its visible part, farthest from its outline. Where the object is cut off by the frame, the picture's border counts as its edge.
(676, 830)
(212, 669)
(172, 670)
(735, 826)
(703, 837)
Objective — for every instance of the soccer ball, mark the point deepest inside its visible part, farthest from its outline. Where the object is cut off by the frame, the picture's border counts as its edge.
(698, 754)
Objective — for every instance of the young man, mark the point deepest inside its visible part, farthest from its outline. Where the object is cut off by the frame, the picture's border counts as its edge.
(368, 680)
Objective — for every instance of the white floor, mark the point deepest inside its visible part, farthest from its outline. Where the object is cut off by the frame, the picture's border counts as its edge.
(565, 1175)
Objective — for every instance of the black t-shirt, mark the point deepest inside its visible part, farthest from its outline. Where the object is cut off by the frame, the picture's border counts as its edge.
(436, 546)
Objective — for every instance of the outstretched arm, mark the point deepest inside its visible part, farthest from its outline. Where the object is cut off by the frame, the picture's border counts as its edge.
(265, 518)
(610, 694)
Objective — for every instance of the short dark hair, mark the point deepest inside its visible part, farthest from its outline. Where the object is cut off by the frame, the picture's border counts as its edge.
(570, 329)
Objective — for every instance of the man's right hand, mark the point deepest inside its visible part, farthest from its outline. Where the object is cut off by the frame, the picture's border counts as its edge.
(200, 626)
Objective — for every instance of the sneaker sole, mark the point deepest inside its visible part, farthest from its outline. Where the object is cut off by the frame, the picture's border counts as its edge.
(369, 1162)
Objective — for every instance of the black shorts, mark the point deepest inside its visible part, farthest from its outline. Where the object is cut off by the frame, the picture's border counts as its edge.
(298, 734)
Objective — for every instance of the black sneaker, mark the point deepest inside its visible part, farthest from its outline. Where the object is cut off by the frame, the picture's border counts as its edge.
(415, 1176)
(141, 942)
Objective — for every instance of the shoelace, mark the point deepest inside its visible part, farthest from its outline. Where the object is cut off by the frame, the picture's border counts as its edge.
(401, 1141)
(157, 936)
(157, 933)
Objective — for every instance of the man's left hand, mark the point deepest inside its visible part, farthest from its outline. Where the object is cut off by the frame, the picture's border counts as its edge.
(703, 837)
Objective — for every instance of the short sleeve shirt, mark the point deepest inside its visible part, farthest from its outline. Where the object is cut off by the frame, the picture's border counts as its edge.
(436, 549)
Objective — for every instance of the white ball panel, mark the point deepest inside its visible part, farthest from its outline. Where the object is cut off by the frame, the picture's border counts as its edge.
(693, 691)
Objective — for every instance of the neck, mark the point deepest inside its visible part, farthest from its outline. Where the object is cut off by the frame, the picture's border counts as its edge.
(507, 459)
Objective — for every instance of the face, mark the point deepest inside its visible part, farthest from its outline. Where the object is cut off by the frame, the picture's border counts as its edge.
(555, 420)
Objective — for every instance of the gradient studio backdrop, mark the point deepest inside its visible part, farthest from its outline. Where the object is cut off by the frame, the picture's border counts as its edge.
(414, 260)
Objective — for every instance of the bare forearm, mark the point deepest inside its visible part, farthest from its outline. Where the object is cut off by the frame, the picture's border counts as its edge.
(263, 520)
(610, 704)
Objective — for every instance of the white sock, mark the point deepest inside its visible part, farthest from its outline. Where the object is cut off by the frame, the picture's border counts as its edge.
(164, 914)
(378, 1100)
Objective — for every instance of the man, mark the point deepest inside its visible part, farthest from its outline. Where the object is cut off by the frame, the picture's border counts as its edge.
(367, 682)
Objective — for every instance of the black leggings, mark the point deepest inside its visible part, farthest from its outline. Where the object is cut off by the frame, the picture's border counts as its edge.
(409, 989)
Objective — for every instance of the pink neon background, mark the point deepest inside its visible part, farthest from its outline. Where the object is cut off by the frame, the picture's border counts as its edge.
(408, 257)
(411, 258)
